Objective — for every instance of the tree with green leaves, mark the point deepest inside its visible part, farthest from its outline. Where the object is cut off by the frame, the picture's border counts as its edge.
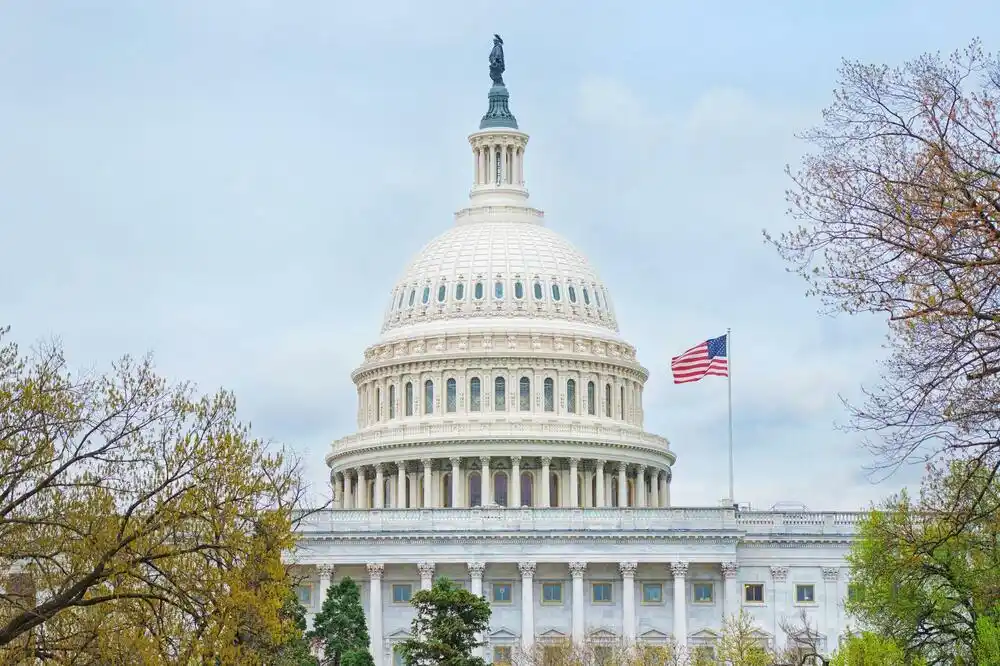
(448, 621)
(341, 627)
(868, 649)
(739, 644)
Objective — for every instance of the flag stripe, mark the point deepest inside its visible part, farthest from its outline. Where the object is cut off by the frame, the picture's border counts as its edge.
(695, 364)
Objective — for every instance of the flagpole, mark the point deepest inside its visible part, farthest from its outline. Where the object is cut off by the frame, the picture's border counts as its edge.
(729, 381)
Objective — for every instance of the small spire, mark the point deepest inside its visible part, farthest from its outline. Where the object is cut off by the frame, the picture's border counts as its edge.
(499, 114)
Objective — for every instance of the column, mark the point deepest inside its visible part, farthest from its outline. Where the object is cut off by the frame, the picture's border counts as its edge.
(628, 601)
(414, 494)
(362, 498)
(599, 500)
(346, 497)
(640, 487)
(503, 164)
(337, 487)
(379, 486)
(527, 605)
(576, 570)
(401, 485)
(546, 461)
(831, 576)
(455, 480)
(665, 494)
(731, 591)
(779, 576)
(426, 570)
(375, 572)
(487, 481)
(476, 570)
(325, 572)
(515, 482)
(654, 489)
(484, 169)
(679, 570)
(622, 485)
(428, 484)
(574, 489)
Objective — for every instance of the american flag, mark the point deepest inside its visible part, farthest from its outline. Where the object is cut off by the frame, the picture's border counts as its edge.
(708, 358)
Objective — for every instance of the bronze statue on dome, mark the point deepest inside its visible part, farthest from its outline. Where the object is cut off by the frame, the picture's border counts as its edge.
(496, 61)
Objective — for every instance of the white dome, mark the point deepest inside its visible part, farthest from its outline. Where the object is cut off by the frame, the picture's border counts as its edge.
(517, 271)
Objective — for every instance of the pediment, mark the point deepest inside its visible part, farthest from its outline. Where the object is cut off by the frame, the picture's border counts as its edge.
(552, 634)
(704, 635)
(654, 636)
(502, 633)
(399, 634)
(760, 633)
(602, 635)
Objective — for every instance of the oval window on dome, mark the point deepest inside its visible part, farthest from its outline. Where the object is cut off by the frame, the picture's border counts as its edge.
(538, 291)
(518, 290)
(586, 296)
(459, 291)
(413, 294)
(442, 292)
(402, 293)
(477, 291)
(555, 292)
(498, 290)
(427, 295)
(571, 290)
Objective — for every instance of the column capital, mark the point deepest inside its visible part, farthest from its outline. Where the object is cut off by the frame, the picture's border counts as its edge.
(401, 466)
(577, 569)
(627, 569)
(426, 462)
(623, 467)
(426, 569)
(515, 460)
(379, 468)
(484, 461)
(325, 570)
(679, 569)
(476, 569)
(599, 463)
(455, 461)
(375, 570)
(779, 574)
(574, 462)
(730, 569)
(831, 574)
(546, 460)
(527, 569)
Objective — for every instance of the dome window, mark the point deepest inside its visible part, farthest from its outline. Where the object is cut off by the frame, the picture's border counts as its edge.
(475, 393)
(549, 395)
(525, 394)
(591, 399)
(460, 291)
(402, 294)
(586, 296)
(597, 298)
(518, 290)
(427, 295)
(413, 294)
(428, 397)
(442, 292)
(477, 291)
(556, 295)
(451, 396)
(572, 293)
(538, 291)
(571, 396)
(499, 395)
(498, 290)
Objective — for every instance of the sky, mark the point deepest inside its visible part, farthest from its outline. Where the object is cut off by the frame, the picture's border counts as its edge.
(236, 186)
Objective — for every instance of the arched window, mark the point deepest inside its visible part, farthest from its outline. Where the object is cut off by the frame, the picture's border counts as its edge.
(402, 293)
(459, 291)
(392, 401)
(538, 291)
(477, 291)
(553, 489)
(518, 290)
(428, 397)
(498, 290)
(499, 394)
(387, 493)
(442, 292)
(571, 396)
(549, 394)
(446, 498)
(527, 489)
(378, 404)
(586, 296)
(427, 295)
(451, 395)
(597, 298)
(607, 400)
(500, 488)
(631, 492)
(591, 399)
(572, 293)
(614, 491)
(525, 394)
(413, 294)
(579, 490)
(405, 502)
(593, 490)
(555, 292)
(621, 405)
(475, 393)
(475, 489)
(408, 396)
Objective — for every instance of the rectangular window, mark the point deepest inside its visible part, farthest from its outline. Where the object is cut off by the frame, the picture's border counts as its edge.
(552, 593)
(305, 594)
(502, 593)
(855, 592)
(805, 594)
(502, 654)
(401, 593)
(652, 593)
(703, 593)
(600, 593)
(753, 593)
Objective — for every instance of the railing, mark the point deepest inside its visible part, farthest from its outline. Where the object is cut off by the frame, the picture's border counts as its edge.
(502, 519)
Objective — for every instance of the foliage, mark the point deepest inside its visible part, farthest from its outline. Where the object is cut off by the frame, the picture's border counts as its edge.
(900, 213)
(136, 517)
(445, 629)
(930, 569)
(739, 645)
(618, 653)
(987, 641)
(292, 648)
(341, 627)
(868, 649)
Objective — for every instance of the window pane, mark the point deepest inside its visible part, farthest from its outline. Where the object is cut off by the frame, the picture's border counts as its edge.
(499, 394)
(571, 396)
(428, 397)
(551, 592)
(477, 291)
(550, 400)
(621, 405)
(402, 293)
(525, 394)
(703, 592)
(501, 592)
(538, 291)
(409, 398)
(427, 295)
(572, 293)
(392, 401)
(555, 292)
(459, 291)
(591, 398)
(586, 296)
(378, 404)
(442, 291)
(475, 490)
(597, 299)
(401, 593)
(607, 400)
(601, 592)
(500, 488)
(475, 389)
(754, 593)
(304, 593)
(804, 593)
(498, 290)
(413, 294)
(652, 593)
(518, 290)
(527, 489)
(451, 395)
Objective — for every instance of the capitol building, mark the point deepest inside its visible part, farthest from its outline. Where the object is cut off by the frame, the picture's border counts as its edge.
(500, 443)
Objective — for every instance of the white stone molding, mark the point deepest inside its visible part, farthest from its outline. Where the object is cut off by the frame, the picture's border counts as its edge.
(426, 570)
(779, 574)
